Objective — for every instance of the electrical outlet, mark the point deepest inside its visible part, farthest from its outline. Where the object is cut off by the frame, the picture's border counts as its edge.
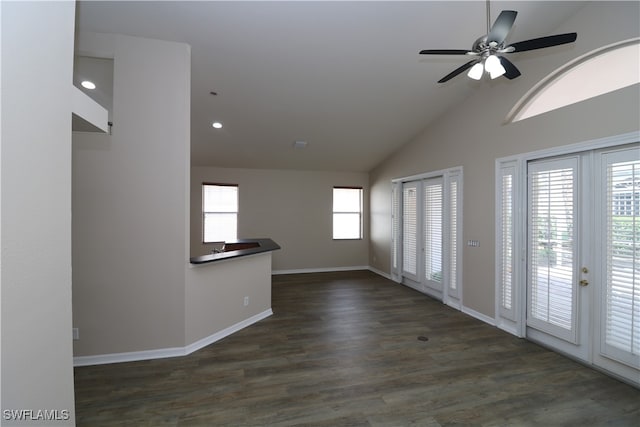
(246, 301)
(76, 334)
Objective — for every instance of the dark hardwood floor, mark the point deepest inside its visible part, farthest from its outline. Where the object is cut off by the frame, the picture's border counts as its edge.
(342, 349)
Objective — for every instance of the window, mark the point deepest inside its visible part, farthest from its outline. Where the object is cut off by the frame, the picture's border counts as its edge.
(552, 194)
(410, 229)
(579, 80)
(347, 213)
(621, 238)
(219, 212)
(453, 217)
(505, 239)
(395, 229)
(433, 218)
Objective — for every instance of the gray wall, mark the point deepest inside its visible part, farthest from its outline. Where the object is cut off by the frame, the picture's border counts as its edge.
(37, 67)
(215, 293)
(130, 203)
(291, 207)
(473, 135)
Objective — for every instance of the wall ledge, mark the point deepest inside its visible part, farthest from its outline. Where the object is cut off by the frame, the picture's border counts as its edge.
(88, 115)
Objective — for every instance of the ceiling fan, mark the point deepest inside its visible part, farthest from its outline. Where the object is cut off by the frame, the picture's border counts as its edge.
(487, 48)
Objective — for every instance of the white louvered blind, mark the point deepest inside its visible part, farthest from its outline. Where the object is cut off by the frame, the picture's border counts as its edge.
(453, 235)
(219, 212)
(409, 228)
(506, 241)
(347, 213)
(552, 203)
(433, 229)
(622, 288)
(395, 226)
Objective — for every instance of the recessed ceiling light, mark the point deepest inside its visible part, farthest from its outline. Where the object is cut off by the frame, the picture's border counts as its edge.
(88, 84)
(217, 125)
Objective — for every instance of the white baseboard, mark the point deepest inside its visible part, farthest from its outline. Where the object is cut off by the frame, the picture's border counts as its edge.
(321, 270)
(508, 328)
(478, 315)
(453, 304)
(133, 356)
(161, 353)
(332, 269)
(226, 332)
(413, 285)
(380, 273)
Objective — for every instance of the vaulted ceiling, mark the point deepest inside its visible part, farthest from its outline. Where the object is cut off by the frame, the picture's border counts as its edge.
(345, 77)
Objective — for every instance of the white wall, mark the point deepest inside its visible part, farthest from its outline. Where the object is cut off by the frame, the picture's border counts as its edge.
(37, 61)
(473, 135)
(130, 203)
(294, 208)
(214, 295)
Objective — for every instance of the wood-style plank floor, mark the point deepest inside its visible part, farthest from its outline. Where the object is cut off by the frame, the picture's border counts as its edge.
(342, 349)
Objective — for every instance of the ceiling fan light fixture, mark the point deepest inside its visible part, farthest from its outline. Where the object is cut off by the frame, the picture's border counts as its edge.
(476, 71)
(494, 67)
(497, 73)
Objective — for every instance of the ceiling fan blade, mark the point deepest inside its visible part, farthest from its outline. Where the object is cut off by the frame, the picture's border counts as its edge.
(443, 52)
(502, 26)
(543, 42)
(458, 71)
(511, 71)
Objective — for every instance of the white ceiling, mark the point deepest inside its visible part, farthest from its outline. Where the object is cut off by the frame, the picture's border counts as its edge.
(344, 76)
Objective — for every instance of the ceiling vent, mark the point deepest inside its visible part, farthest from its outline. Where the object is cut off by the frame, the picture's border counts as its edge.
(300, 145)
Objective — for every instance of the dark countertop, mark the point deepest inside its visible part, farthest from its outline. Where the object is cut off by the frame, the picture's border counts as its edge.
(263, 245)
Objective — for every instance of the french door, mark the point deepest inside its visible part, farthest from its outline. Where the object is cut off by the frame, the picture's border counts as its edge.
(426, 234)
(411, 223)
(422, 219)
(583, 257)
(557, 242)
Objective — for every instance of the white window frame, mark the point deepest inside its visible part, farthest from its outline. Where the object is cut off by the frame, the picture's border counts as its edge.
(453, 243)
(433, 227)
(410, 248)
(554, 175)
(508, 318)
(204, 213)
(396, 232)
(606, 349)
(358, 212)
